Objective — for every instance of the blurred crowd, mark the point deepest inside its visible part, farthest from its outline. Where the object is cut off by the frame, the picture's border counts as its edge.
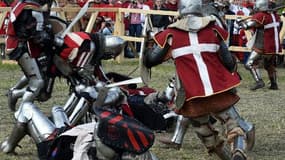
(134, 21)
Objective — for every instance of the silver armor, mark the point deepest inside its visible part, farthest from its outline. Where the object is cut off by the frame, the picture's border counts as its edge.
(30, 120)
(189, 7)
(113, 97)
(182, 125)
(112, 46)
(16, 92)
(79, 111)
(236, 132)
(254, 70)
(212, 136)
(39, 126)
(32, 72)
(261, 5)
(70, 104)
(59, 117)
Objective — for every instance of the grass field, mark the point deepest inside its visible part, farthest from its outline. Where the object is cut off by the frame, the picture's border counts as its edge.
(265, 108)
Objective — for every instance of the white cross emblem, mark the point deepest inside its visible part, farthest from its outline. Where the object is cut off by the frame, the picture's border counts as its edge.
(195, 49)
(274, 25)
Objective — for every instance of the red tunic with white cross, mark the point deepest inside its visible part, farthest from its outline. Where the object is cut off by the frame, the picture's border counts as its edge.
(197, 61)
(270, 23)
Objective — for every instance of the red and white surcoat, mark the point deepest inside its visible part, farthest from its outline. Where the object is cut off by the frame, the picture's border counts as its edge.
(12, 40)
(271, 26)
(73, 41)
(197, 61)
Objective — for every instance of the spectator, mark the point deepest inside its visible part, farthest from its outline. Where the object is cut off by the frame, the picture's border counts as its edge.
(137, 20)
(125, 4)
(108, 29)
(171, 5)
(99, 4)
(85, 19)
(110, 15)
(99, 24)
(159, 22)
(247, 4)
(3, 30)
(150, 3)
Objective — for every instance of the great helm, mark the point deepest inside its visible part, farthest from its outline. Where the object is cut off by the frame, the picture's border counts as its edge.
(190, 7)
(261, 5)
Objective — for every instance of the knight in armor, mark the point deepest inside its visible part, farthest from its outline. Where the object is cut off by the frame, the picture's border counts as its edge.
(182, 123)
(54, 136)
(265, 43)
(73, 59)
(207, 78)
(28, 34)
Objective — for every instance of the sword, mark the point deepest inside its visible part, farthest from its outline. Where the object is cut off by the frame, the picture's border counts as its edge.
(144, 71)
(82, 11)
(130, 81)
(277, 8)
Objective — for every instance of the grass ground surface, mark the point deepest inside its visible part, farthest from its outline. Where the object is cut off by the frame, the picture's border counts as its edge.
(265, 108)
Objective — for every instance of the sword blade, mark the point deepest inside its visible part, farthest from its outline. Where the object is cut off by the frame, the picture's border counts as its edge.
(130, 81)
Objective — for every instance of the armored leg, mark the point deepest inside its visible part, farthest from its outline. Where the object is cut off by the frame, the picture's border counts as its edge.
(39, 127)
(23, 82)
(32, 72)
(246, 126)
(254, 71)
(273, 82)
(269, 65)
(70, 104)
(79, 111)
(59, 117)
(17, 134)
(16, 92)
(212, 136)
(13, 95)
(236, 136)
(182, 125)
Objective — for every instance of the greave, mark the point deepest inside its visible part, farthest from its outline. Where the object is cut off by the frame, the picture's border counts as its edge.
(250, 66)
(18, 133)
(39, 127)
(59, 117)
(239, 147)
(70, 104)
(13, 95)
(182, 125)
(237, 130)
(255, 72)
(211, 136)
(273, 81)
(28, 97)
(33, 74)
(41, 130)
(79, 111)
(17, 93)
(21, 83)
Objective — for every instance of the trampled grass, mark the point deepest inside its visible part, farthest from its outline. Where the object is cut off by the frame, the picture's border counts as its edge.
(265, 108)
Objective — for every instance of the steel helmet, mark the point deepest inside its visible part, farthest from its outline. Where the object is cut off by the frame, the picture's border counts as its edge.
(261, 5)
(190, 7)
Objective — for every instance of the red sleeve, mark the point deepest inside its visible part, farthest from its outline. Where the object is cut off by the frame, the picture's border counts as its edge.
(161, 37)
(222, 33)
(258, 17)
